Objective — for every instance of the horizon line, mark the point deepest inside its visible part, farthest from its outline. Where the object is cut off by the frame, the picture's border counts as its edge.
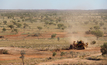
(53, 9)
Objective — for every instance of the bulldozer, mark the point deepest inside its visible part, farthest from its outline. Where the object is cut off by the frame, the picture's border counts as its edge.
(78, 45)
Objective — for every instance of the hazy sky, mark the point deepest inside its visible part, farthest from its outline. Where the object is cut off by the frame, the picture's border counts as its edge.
(53, 4)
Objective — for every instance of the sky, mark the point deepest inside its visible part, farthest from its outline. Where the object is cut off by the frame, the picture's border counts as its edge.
(53, 4)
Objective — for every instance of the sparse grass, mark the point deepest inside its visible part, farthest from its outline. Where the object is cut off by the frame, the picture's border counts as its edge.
(5, 33)
(79, 23)
(36, 43)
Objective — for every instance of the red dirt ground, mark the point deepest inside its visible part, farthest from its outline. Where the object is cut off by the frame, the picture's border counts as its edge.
(71, 61)
(14, 53)
(44, 35)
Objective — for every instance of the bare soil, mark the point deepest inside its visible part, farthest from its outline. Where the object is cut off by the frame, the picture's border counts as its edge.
(44, 35)
(14, 53)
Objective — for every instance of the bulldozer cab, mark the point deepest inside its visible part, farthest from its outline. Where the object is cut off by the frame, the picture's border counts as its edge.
(78, 45)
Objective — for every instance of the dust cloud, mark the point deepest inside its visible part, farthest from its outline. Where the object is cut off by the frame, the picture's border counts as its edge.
(76, 32)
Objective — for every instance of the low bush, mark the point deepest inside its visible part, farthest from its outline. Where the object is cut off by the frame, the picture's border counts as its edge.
(93, 42)
(62, 53)
(3, 51)
(53, 35)
(104, 49)
(54, 53)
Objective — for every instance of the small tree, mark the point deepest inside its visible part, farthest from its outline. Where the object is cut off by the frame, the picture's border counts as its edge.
(53, 35)
(11, 26)
(104, 49)
(58, 38)
(4, 29)
(5, 22)
(22, 56)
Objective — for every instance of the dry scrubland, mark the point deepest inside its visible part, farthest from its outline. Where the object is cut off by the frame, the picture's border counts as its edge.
(32, 29)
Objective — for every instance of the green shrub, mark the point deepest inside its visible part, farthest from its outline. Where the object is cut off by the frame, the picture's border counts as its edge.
(62, 53)
(18, 21)
(53, 35)
(97, 33)
(63, 28)
(39, 27)
(50, 23)
(54, 53)
(96, 27)
(5, 22)
(93, 42)
(101, 24)
(37, 34)
(88, 32)
(4, 29)
(16, 30)
(60, 25)
(104, 49)
(5, 52)
(49, 58)
(18, 25)
(11, 26)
